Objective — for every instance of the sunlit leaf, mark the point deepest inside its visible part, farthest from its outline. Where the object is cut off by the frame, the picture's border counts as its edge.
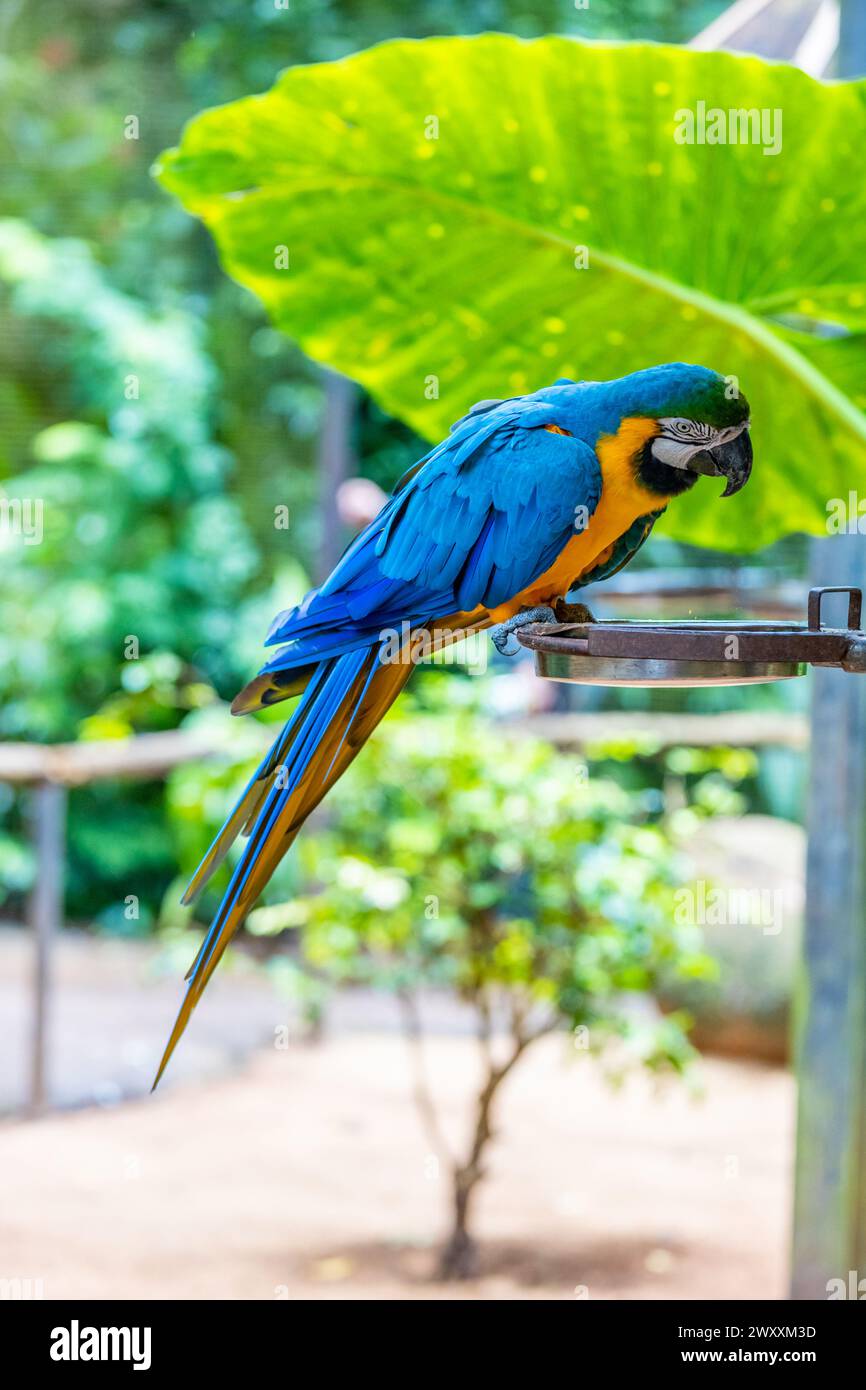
(412, 216)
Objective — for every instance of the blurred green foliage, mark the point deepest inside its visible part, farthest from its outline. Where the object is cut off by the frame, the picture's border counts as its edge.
(432, 831)
(159, 510)
(455, 854)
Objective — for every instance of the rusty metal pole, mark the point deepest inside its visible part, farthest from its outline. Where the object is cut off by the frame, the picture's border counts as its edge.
(45, 917)
(829, 1236)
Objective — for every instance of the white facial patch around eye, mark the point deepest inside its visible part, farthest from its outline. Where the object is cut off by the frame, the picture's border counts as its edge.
(674, 452)
(681, 439)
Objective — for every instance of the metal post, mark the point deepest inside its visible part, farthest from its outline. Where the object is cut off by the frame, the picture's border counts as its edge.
(830, 1197)
(851, 61)
(335, 460)
(46, 916)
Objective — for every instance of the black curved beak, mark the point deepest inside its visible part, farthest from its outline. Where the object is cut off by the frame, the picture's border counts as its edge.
(732, 460)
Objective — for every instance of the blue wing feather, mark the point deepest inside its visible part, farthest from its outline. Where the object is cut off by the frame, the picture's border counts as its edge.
(485, 514)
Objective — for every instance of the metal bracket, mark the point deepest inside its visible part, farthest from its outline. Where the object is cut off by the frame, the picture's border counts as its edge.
(855, 605)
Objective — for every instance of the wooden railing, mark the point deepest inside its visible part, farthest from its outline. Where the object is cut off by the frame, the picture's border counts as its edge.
(47, 772)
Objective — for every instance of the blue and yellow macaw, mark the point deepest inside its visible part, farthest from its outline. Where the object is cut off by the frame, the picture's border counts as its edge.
(525, 500)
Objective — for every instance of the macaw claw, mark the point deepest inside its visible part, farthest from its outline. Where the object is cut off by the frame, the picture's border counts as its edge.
(503, 637)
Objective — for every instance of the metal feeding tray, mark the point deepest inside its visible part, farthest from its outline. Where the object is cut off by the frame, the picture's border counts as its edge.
(697, 653)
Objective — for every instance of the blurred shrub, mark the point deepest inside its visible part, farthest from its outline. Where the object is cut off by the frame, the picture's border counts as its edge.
(453, 855)
(456, 854)
(138, 600)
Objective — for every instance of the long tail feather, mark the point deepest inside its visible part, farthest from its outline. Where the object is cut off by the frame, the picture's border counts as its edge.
(243, 816)
(246, 807)
(344, 701)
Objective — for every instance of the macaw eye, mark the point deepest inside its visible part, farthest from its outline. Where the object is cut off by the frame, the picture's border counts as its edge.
(687, 431)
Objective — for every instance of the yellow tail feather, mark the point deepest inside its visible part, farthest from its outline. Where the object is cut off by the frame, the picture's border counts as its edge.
(340, 742)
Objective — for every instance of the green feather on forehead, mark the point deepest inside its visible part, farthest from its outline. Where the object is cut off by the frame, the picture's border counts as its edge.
(718, 402)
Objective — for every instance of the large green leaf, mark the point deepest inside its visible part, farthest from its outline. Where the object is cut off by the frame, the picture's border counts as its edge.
(448, 263)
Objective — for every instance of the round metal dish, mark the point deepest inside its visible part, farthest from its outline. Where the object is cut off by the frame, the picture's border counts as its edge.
(612, 670)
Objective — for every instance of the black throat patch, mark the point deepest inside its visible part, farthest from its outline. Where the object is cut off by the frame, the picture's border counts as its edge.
(660, 478)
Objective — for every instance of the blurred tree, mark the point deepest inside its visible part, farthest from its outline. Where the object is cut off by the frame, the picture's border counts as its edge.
(458, 858)
(121, 614)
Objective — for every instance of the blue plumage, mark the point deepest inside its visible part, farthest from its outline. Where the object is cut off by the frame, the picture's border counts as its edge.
(469, 529)
(489, 510)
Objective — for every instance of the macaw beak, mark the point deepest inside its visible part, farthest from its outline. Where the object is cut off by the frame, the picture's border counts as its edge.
(732, 460)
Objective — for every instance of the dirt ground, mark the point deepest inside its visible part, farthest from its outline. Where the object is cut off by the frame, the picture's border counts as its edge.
(305, 1175)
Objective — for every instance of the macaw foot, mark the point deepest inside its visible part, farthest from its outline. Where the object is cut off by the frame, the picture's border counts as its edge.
(503, 637)
(572, 612)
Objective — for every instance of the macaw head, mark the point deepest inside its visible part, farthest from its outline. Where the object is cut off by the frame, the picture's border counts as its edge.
(702, 428)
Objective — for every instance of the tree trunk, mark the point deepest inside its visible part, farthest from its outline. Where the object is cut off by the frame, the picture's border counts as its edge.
(459, 1258)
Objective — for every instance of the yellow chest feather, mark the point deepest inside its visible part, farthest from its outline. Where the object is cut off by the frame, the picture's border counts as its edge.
(622, 501)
